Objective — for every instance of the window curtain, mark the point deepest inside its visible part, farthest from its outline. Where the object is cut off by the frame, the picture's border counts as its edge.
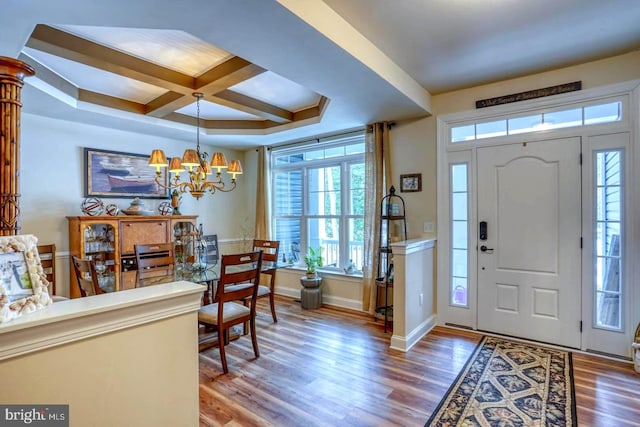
(263, 194)
(377, 177)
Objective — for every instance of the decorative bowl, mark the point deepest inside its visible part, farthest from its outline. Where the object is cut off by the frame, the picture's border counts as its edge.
(136, 212)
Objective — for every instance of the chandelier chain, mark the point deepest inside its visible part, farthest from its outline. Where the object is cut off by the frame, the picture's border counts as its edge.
(198, 96)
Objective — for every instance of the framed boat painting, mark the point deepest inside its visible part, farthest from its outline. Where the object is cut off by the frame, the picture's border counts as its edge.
(116, 174)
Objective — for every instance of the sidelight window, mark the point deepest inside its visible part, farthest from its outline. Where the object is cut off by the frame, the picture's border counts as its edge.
(459, 235)
(608, 238)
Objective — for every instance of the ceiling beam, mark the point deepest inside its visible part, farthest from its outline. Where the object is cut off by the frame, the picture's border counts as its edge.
(167, 103)
(241, 102)
(231, 72)
(110, 101)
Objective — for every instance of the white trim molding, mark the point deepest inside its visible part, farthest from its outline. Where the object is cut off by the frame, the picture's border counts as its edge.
(77, 319)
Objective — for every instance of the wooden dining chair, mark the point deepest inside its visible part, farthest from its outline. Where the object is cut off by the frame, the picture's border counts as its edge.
(155, 256)
(86, 276)
(270, 249)
(47, 255)
(211, 254)
(239, 280)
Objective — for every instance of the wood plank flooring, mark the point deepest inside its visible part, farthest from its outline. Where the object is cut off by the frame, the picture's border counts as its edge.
(332, 367)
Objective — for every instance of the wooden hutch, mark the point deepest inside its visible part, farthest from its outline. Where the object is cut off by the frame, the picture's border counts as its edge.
(110, 240)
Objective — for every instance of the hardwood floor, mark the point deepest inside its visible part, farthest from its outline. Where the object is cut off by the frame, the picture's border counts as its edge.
(332, 367)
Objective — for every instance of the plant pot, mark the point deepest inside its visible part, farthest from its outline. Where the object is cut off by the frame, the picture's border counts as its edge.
(312, 275)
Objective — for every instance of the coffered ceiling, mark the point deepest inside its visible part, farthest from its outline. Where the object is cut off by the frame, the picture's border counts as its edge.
(280, 70)
(155, 73)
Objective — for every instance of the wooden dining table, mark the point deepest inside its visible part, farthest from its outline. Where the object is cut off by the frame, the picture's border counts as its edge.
(205, 276)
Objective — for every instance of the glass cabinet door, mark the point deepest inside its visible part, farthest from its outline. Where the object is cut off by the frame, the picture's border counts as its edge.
(99, 246)
(184, 240)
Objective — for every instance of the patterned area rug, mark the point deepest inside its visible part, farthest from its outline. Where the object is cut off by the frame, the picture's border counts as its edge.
(507, 383)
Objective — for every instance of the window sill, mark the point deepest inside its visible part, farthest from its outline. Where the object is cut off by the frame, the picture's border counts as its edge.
(302, 269)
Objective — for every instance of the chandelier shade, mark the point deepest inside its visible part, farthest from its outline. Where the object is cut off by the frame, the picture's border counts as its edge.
(195, 163)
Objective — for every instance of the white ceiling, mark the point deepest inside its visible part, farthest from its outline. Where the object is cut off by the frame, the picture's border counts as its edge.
(373, 59)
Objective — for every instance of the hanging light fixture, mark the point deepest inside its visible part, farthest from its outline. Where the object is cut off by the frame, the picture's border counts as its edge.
(195, 163)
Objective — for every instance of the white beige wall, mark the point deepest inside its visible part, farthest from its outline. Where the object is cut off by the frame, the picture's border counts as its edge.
(413, 150)
(339, 290)
(413, 142)
(108, 380)
(52, 177)
(616, 69)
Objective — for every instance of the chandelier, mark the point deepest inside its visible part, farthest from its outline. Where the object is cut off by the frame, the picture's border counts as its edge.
(195, 163)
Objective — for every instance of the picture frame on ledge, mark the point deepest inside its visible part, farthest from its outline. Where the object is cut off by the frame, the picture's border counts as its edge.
(410, 182)
(114, 174)
(23, 282)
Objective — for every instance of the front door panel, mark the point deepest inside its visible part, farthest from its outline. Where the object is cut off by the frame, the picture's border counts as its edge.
(529, 265)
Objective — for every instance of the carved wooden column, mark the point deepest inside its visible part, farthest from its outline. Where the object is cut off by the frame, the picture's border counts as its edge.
(12, 73)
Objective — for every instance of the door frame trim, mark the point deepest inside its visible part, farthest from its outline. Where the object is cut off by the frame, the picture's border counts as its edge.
(447, 153)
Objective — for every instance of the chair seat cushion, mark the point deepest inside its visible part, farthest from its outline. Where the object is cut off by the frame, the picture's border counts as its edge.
(263, 290)
(209, 313)
(232, 288)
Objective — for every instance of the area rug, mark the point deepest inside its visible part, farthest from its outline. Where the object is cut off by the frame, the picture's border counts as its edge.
(507, 383)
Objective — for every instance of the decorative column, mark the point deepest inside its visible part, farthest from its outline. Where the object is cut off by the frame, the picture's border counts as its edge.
(12, 74)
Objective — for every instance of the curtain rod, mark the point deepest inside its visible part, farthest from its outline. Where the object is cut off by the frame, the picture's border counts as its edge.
(316, 140)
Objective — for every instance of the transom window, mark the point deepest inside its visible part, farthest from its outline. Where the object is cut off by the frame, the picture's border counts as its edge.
(534, 122)
(318, 200)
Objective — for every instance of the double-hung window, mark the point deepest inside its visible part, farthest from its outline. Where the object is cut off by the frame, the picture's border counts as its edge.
(318, 200)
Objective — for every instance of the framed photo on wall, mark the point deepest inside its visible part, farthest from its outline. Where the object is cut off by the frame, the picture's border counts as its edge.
(117, 174)
(411, 182)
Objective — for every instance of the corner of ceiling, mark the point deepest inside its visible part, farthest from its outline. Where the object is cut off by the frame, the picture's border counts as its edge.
(320, 16)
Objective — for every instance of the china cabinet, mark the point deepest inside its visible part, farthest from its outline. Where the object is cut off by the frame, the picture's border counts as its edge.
(110, 240)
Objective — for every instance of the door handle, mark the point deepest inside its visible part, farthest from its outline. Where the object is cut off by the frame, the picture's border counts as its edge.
(483, 248)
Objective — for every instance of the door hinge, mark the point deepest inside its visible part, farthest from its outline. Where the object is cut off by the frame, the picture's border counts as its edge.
(581, 326)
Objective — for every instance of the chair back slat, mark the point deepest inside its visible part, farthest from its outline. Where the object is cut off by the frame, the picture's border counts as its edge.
(238, 269)
(86, 276)
(211, 252)
(270, 249)
(157, 255)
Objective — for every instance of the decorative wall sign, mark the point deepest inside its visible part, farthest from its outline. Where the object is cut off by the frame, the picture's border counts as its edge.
(115, 174)
(411, 182)
(23, 283)
(531, 94)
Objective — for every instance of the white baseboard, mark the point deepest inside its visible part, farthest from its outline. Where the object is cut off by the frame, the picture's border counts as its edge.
(402, 343)
(326, 299)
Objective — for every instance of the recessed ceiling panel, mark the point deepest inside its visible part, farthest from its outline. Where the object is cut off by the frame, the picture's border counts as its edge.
(95, 80)
(276, 90)
(173, 49)
(211, 111)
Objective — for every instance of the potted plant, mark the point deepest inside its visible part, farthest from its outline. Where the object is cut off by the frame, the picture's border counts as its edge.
(313, 260)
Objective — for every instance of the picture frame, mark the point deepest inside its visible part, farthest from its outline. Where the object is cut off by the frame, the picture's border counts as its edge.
(23, 282)
(115, 174)
(410, 182)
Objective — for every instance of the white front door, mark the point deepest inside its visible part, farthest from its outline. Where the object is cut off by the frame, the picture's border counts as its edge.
(529, 265)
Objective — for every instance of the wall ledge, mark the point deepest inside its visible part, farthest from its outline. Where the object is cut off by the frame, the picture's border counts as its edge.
(76, 319)
(410, 246)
